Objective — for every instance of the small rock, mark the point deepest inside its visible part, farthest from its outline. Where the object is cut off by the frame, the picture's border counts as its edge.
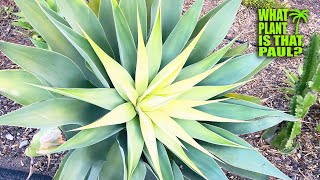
(23, 144)
(9, 137)
(22, 163)
(299, 156)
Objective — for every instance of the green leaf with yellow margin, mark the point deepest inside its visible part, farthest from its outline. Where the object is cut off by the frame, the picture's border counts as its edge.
(120, 78)
(142, 73)
(127, 47)
(167, 124)
(154, 47)
(168, 74)
(198, 131)
(121, 114)
(181, 33)
(94, 96)
(206, 92)
(176, 149)
(149, 137)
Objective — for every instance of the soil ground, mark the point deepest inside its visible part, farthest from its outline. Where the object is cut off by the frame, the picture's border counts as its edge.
(302, 164)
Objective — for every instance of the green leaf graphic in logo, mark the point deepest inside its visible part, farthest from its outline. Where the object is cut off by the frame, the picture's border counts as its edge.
(297, 16)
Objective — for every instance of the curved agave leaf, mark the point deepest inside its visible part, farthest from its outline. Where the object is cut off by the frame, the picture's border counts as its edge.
(246, 159)
(47, 65)
(198, 131)
(202, 93)
(63, 162)
(95, 170)
(204, 20)
(142, 69)
(89, 156)
(83, 17)
(53, 113)
(52, 35)
(254, 125)
(54, 15)
(14, 85)
(119, 115)
(165, 166)
(84, 48)
(87, 138)
(127, 47)
(242, 172)
(114, 166)
(181, 33)
(206, 164)
(107, 21)
(243, 111)
(131, 7)
(164, 122)
(203, 65)
(176, 149)
(238, 50)
(140, 171)
(135, 145)
(95, 96)
(170, 15)
(176, 171)
(154, 46)
(149, 137)
(217, 28)
(264, 63)
(228, 75)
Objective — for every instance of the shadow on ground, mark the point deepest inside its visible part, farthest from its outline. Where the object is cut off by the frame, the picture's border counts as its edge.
(6, 174)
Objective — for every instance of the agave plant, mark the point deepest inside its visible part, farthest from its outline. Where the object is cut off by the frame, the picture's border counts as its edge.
(136, 92)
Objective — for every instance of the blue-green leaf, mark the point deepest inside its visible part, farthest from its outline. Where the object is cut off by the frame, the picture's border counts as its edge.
(217, 28)
(107, 21)
(130, 8)
(51, 34)
(170, 15)
(247, 159)
(177, 174)
(180, 35)
(14, 86)
(86, 51)
(127, 47)
(88, 137)
(114, 168)
(234, 70)
(206, 164)
(84, 18)
(53, 113)
(47, 65)
(140, 171)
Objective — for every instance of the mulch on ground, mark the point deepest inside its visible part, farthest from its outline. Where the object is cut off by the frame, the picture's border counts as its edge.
(303, 164)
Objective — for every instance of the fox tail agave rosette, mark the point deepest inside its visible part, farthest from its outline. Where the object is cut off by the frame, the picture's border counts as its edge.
(135, 90)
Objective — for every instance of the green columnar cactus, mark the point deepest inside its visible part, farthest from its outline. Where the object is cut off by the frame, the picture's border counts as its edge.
(305, 95)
